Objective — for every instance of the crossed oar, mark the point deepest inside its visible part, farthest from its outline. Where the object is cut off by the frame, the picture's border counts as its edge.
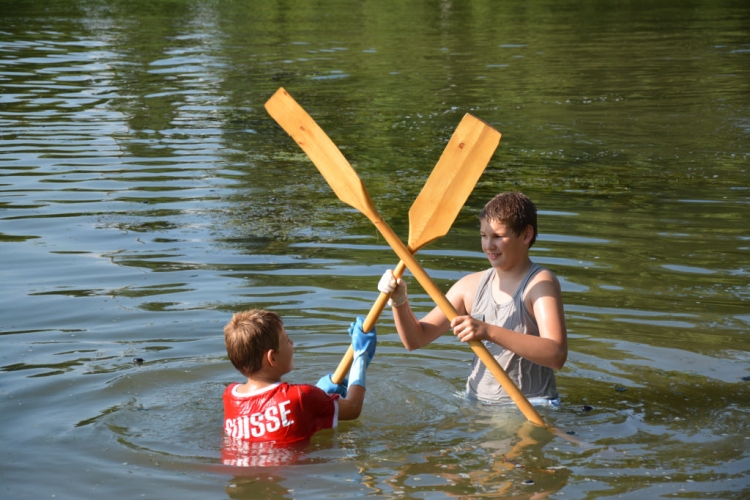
(433, 212)
(349, 188)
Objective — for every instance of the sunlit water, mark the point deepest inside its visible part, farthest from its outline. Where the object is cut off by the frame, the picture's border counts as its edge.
(146, 195)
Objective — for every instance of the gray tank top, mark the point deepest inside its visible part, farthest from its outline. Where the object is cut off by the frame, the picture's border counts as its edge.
(532, 379)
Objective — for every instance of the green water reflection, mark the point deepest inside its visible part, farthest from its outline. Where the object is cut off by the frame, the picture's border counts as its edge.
(146, 194)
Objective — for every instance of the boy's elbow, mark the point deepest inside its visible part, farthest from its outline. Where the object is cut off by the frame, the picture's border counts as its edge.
(350, 413)
(410, 346)
(559, 360)
(350, 408)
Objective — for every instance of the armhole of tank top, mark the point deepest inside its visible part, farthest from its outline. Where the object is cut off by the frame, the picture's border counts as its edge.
(486, 279)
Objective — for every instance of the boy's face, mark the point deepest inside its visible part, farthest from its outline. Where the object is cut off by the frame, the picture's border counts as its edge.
(502, 246)
(285, 356)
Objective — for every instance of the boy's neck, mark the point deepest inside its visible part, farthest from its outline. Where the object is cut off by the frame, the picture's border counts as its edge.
(507, 281)
(518, 270)
(258, 381)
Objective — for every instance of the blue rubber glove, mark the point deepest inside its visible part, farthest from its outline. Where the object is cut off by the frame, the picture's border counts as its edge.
(364, 349)
(363, 343)
(328, 386)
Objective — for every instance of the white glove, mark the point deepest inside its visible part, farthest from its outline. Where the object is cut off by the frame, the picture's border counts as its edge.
(396, 288)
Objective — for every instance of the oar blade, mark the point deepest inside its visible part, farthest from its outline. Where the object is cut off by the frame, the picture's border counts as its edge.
(452, 180)
(324, 154)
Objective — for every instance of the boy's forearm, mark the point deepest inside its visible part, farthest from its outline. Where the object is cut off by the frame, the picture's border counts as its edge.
(414, 333)
(408, 327)
(542, 351)
(351, 407)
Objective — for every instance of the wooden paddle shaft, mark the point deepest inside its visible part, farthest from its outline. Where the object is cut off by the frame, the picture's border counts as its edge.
(450, 312)
(369, 323)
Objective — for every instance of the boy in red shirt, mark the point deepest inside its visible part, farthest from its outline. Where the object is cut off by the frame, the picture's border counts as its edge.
(265, 409)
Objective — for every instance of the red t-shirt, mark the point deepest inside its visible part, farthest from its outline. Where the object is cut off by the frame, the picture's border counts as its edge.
(283, 413)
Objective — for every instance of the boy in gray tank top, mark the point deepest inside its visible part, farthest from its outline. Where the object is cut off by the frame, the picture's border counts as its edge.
(515, 308)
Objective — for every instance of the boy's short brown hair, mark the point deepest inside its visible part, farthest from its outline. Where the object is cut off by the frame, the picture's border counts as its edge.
(513, 209)
(249, 335)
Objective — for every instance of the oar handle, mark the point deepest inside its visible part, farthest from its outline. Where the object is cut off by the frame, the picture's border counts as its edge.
(450, 312)
(372, 318)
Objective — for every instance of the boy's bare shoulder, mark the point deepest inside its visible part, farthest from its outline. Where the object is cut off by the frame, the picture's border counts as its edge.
(544, 283)
(462, 292)
(473, 277)
(470, 282)
(545, 275)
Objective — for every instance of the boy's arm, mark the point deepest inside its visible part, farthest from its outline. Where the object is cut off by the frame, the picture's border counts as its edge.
(547, 305)
(351, 407)
(550, 348)
(364, 345)
(416, 333)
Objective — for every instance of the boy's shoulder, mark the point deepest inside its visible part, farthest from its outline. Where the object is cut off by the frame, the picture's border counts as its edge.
(230, 390)
(473, 279)
(279, 390)
(543, 284)
(300, 389)
(464, 290)
(544, 274)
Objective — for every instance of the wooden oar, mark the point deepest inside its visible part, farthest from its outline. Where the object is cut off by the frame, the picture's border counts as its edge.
(434, 210)
(349, 188)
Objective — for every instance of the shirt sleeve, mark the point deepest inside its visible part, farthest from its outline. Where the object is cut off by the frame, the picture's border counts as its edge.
(320, 408)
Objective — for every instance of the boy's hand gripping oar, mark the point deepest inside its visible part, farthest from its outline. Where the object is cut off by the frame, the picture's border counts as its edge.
(433, 212)
(349, 188)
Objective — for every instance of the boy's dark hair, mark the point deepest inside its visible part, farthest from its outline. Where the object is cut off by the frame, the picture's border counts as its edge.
(249, 335)
(513, 209)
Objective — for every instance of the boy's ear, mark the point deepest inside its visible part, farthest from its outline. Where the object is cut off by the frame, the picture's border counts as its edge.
(527, 233)
(271, 357)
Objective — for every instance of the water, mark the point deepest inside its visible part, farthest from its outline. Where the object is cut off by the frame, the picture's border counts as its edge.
(146, 195)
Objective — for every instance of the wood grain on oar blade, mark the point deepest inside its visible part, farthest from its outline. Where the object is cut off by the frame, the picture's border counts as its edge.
(452, 181)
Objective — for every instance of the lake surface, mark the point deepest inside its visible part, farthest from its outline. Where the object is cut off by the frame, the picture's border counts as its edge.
(146, 195)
